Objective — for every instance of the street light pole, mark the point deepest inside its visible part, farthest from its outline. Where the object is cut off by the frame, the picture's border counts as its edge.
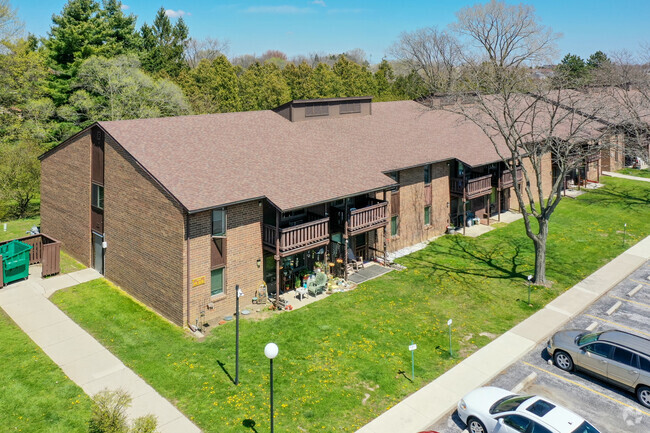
(530, 278)
(271, 351)
(451, 353)
(238, 294)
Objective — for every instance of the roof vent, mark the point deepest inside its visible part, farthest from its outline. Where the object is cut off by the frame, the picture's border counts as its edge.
(312, 109)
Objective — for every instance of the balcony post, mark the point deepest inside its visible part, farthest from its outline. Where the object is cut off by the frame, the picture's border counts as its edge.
(345, 236)
(499, 196)
(464, 202)
(277, 258)
(385, 233)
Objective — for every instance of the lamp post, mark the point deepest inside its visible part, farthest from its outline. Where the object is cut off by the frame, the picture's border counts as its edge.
(451, 353)
(271, 351)
(530, 279)
(624, 232)
(238, 294)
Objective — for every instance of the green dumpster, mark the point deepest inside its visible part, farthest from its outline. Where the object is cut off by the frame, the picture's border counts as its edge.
(15, 261)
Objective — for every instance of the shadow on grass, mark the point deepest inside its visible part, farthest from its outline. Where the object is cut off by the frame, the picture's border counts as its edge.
(249, 423)
(624, 196)
(223, 367)
(500, 261)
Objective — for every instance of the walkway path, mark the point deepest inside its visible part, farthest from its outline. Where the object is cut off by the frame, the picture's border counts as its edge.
(424, 407)
(625, 176)
(80, 356)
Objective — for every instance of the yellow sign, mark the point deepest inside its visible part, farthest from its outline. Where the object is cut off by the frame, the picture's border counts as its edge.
(198, 281)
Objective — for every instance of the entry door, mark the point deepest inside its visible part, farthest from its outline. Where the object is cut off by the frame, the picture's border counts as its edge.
(98, 253)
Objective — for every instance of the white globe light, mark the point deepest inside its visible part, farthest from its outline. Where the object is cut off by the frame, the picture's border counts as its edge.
(271, 350)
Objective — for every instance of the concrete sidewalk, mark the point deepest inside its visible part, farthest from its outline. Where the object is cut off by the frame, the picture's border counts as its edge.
(427, 405)
(625, 176)
(80, 356)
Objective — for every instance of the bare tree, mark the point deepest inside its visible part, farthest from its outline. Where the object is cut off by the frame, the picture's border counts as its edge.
(508, 35)
(208, 48)
(434, 54)
(10, 25)
(527, 122)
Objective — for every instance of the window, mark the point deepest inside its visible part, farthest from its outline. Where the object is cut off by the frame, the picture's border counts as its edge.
(216, 282)
(601, 349)
(508, 403)
(427, 215)
(315, 110)
(517, 422)
(644, 363)
(219, 222)
(394, 225)
(350, 107)
(540, 408)
(537, 428)
(589, 338)
(427, 174)
(623, 356)
(97, 196)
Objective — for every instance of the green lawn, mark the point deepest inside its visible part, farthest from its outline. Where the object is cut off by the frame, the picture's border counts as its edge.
(35, 395)
(636, 172)
(18, 229)
(345, 359)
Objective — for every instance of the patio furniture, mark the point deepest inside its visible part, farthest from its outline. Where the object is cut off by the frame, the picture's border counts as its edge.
(302, 292)
(317, 284)
(15, 261)
(354, 262)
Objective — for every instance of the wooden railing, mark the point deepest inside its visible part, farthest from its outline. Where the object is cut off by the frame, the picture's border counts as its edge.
(45, 250)
(506, 178)
(476, 187)
(368, 218)
(297, 238)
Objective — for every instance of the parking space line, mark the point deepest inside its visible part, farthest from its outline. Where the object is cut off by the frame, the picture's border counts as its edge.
(631, 302)
(618, 324)
(587, 388)
(642, 282)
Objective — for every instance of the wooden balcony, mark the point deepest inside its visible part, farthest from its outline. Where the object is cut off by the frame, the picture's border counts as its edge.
(473, 188)
(505, 181)
(298, 238)
(370, 214)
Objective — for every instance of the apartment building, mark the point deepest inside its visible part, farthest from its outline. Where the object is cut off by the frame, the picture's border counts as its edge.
(178, 211)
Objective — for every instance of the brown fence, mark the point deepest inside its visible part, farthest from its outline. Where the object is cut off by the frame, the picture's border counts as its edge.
(299, 237)
(45, 250)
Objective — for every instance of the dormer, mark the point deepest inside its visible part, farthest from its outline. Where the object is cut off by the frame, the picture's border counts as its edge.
(313, 109)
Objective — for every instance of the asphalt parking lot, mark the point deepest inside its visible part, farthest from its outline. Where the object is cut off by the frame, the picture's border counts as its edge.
(608, 408)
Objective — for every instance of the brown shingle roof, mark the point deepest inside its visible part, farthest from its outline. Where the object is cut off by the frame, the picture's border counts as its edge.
(211, 160)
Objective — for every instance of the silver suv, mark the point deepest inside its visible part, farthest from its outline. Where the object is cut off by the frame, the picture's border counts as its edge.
(615, 356)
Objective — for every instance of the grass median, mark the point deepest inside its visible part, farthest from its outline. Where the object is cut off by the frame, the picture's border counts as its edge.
(35, 395)
(345, 359)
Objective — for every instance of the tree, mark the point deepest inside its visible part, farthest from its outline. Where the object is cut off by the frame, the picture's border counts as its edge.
(432, 53)
(327, 83)
(119, 34)
(115, 89)
(598, 60)
(384, 78)
(525, 121)
(356, 79)
(410, 86)
(208, 48)
(571, 72)
(163, 45)
(20, 173)
(212, 87)
(109, 415)
(10, 25)
(508, 35)
(300, 80)
(263, 87)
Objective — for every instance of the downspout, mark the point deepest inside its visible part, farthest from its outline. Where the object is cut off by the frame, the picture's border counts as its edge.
(189, 280)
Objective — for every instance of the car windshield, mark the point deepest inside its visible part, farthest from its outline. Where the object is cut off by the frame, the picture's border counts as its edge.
(508, 403)
(588, 338)
(585, 427)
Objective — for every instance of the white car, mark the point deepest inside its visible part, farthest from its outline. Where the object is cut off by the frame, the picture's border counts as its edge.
(491, 409)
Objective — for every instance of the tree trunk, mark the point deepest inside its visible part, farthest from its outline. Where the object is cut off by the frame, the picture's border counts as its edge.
(540, 252)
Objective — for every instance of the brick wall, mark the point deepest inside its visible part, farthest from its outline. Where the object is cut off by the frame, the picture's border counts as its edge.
(144, 230)
(412, 202)
(547, 181)
(243, 249)
(65, 197)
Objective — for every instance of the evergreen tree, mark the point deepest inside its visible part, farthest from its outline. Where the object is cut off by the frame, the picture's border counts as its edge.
(120, 36)
(411, 86)
(598, 60)
(212, 87)
(76, 34)
(384, 78)
(327, 84)
(300, 81)
(356, 79)
(572, 71)
(163, 45)
(263, 87)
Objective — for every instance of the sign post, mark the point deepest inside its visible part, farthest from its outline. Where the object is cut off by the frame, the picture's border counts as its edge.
(238, 294)
(451, 353)
(412, 348)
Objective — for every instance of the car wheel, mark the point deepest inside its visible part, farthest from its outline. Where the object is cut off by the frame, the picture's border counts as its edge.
(475, 426)
(643, 395)
(563, 360)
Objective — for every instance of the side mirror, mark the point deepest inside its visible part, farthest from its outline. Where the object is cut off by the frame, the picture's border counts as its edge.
(500, 421)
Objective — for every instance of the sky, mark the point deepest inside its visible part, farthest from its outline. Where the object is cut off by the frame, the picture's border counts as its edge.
(335, 26)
